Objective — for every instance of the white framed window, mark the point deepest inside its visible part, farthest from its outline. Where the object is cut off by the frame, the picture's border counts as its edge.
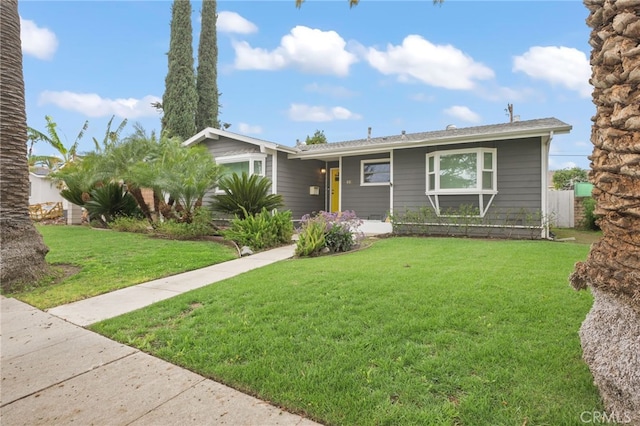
(252, 164)
(375, 172)
(462, 172)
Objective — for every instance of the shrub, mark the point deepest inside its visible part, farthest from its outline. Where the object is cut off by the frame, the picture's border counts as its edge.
(110, 201)
(130, 224)
(590, 218)
(245, 195)
(201, 226)
(311, 237)
(339, 232)
(260, 231)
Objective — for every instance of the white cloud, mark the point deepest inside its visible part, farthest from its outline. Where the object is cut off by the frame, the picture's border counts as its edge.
(93, 105)
(302, 112)
(508, 94)
(463, 113)
(231, 22)
(331, 90)
(36, 41)
(421, 97)
(249, 129)
(307, 49)
(558, 65)
(584, 144)
(436, 65)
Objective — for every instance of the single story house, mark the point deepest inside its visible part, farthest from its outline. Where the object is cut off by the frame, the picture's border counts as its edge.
(485, 180)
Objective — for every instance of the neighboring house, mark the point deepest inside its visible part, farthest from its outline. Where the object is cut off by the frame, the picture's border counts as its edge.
(42, 189)
(486, 178)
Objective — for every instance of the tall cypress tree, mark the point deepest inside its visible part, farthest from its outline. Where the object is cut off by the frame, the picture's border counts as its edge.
(180, 98)
(206, 83)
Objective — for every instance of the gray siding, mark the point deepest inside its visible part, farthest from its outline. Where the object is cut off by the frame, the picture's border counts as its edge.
(518, 172)
(369, 202)
(294, 179)
(225, 146)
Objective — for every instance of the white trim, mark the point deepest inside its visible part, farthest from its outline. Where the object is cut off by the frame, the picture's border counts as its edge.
(396, 143)
(544, 180)
(391, 183)
(242, 158)
(479, 172)
(274, 172)
(374, 161)
(434, 195)
(327, 190)
(340, 184)
(214, 134)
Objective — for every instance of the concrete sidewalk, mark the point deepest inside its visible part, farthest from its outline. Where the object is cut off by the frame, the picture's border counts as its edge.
(55, 372)
(109, 305)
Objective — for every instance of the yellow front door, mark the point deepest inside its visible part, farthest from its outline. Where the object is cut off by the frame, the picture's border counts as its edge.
(335, 190)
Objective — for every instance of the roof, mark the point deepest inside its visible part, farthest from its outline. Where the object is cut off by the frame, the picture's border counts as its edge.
(39, 171)
(211, 133)
(452, 135)
(515, 130)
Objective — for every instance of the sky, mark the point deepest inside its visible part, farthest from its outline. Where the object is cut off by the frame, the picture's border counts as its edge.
(286, 72)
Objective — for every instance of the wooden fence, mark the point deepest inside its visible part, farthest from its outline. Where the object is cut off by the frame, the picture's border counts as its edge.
(45, 211)
(561, 208)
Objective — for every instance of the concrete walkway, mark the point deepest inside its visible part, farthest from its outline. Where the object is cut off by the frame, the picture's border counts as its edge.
(54, 372)
(109, 305)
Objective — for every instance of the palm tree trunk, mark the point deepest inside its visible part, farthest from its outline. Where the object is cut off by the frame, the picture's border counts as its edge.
(610, 335)
(22, 248)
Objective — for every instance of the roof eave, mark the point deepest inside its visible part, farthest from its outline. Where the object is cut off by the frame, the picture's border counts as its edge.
(447, 140)
(212, 133)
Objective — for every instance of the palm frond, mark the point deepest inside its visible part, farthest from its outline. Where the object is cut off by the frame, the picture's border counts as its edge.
(245, 194)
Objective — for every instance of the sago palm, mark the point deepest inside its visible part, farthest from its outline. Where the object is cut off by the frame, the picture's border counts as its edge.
(245, 193)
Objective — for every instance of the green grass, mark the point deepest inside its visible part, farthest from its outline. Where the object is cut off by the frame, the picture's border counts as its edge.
(110, 260)
(408, 331)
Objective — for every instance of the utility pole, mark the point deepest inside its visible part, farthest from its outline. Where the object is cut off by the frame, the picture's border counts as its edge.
(509, 110)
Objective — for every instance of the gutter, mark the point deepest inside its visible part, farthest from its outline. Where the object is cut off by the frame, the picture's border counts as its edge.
(446, 140)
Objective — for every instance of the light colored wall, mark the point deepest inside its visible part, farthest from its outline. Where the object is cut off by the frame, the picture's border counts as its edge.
(43, 190)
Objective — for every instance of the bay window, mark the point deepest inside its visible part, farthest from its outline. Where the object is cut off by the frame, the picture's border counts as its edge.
(251, 164)
(462, 172)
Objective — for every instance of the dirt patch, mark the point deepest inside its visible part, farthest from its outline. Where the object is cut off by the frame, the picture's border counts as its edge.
(65, 270)
(57, 274)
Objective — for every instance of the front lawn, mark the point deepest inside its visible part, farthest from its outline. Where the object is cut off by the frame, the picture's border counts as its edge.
(108, 260)
(408, 331)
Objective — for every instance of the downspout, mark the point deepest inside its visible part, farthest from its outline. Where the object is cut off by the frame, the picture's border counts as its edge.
(391, 183)
(327, 190)
(545, 185)
(274, 170)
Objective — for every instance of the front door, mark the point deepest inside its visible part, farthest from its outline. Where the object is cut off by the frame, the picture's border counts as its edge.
(335, 190)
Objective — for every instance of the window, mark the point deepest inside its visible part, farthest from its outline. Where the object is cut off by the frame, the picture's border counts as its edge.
(468, 172)
(375, 172)
(251, 164)
(462, 171)
(239, 168)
